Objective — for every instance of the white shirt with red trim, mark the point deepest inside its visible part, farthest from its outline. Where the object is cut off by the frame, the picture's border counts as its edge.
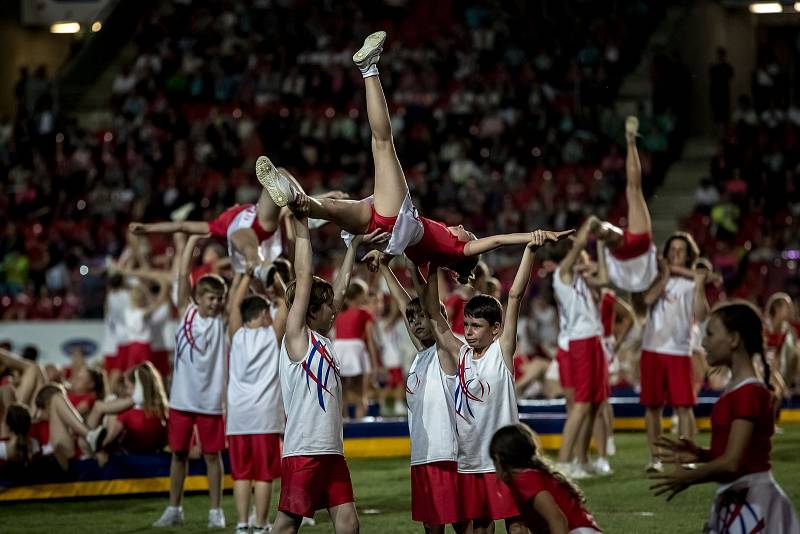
(312, 400)
(198, 371)
(578, 313)
(669, 324)
(255, 405)
(431, 411)
(485, 401)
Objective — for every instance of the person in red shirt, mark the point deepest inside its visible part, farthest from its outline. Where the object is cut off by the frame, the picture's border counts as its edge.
(87, 386)
(355, 345)
(461, 294)
(742, 425)
(547, 500)
(390, 209)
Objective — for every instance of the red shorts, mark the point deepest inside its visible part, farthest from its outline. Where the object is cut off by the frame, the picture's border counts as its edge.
(434, 493)
(667, 380)
(111, 363)
(633, 245)
(564, 369)
(160, 360)
(210, 429)
(484, 496)
(589, 370)
(255, 457)
(395, 378)
(137, 353)
(311, 483)
(219, 226)
(377, 221)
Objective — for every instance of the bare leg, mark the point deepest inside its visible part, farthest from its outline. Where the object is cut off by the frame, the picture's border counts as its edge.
(575, 418)
(241, 496)
(263, 496)
(390, 182)
(482, 526)
(214, 470)
(177, 475)
(62, 409)
(61, 439)
(286, 524)
(102, 408)
(514, 525)
(344, 518)
(350, 215)
(652, 418)
(245, 241)
(638, 214)
(114, 430)
(686, 422)
(31, 381)
(601, 430)
(585, 434)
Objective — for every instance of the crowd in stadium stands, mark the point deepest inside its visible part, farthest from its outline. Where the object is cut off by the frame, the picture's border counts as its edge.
(210, 88)
(747, 214)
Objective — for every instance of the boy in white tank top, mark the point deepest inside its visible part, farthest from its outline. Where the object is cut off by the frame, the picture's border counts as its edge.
(255, 419)
(198, 388)
(484, 397)
(431, 412)
(675, 302)
(314, 473)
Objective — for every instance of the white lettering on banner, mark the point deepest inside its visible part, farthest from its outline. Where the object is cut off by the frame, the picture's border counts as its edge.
(55, 338)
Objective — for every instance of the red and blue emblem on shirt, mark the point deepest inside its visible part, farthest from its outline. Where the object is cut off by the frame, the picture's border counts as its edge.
(186, 337)
(480, 390)
(322, 374)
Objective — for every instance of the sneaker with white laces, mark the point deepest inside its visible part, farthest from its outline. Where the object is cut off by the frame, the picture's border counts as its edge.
(370, 51)
(95, 438)
(308, 522)
(216, 518)
(631, 128)
(278, 186)
(602, 467)
(655, 466)
(172, 517)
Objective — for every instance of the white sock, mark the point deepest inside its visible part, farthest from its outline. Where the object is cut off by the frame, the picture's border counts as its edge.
(174, 508)
(242, 525)
(371, 70)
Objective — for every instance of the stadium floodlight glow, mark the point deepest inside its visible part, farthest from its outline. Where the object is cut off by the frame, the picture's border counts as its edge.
(797, 6)
(766, 7)
(65, 27)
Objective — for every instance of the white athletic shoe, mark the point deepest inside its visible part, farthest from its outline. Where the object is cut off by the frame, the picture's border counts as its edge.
(279, 187)
(370, 52)
(601, 467)
(262, 530)
(216, 518)
(182, 213)
(631, 128)
(308, 522)
(172, 517)
(611, 447)
(581, 471)
(252, 519)
(95, 438)
(242, 529)
(655, 466)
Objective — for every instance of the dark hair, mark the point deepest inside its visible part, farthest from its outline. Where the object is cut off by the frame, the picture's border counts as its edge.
(356, 288)
(99, 379)
(484, 307)
(30, 353)
(465, 269)
(557, 251)
(321, 292)
(414, 308)
(210, 283)
(284, 268)
(252, 306)
(692, 250)
(43, 396)
(115, 281)
(741, 317)
(514, 447)
(18, 419)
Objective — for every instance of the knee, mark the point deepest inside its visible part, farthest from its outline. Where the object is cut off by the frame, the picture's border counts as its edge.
(382, 143)
(516, 527)
(212, 460)
(181, 456)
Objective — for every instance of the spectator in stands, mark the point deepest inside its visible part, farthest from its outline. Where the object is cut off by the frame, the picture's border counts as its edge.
(720, 75)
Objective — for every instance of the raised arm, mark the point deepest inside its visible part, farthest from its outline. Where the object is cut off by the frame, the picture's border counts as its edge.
(445, 339)
(235, 312)
(566, 265)
(626, 317)
(296, 338)
(659, 284)
(279, 323)
(343, 277)
(487, 244)
(398, 292)
(508, 339)
(700, 300)
(185, 270)
(599, 278)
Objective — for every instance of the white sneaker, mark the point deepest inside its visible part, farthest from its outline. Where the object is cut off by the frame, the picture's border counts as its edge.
(602, 467)
(242, 529)
(278, 186)
(172, 517)
(216, 518)
(611, 447)
(580, 472)
(252, 519)
(182, 213)
(655, 466)
(262, 530)
(370, 52)
(308, 522)
(631, 128)
(95, 438)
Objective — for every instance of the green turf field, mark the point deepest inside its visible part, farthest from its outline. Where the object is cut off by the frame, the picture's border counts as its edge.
(621, 503)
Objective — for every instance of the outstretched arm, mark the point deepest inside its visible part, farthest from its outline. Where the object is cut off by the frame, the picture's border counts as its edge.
(700, 300)
(566, 265)
(185, 270)
(599, 278)
(279, 323)
(487, 244)
(449, 345)
(186, 227)
(508, 339)
(343, 277)
(659, 284)
(296, 338)
(235, 313)
(377, 259)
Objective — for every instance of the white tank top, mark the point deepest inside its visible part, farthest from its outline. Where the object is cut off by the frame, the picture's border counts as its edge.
(159, 322)
(431, 411)
(116, 303)
(669, 323)
(484, 402)
(198, 371)
(580, 318)
(137, 326)
(563, 335)
(634, 274)
(255, 405)
(312, 400)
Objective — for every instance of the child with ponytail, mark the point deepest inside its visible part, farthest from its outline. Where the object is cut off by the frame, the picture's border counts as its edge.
(748, 498)
(547, 500)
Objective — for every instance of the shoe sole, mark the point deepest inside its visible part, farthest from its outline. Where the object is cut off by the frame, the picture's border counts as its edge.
(268, 177)
(634, 126)
(373, 42)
